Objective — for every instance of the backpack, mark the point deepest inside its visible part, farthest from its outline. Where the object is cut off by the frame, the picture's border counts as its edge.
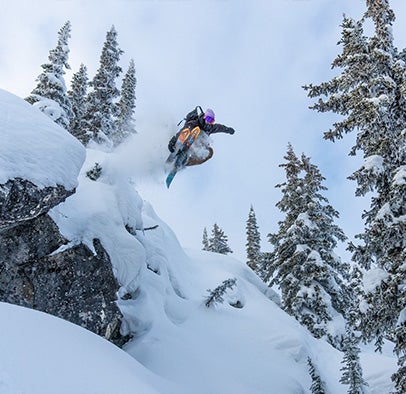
(192, 115)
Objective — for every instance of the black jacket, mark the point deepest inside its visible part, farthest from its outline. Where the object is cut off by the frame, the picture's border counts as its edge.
(192, 120)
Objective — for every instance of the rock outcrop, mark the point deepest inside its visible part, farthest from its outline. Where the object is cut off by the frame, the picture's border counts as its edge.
(73, 283)
(21, 200)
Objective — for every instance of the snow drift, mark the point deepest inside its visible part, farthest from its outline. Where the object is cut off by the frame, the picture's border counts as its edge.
(41, 354)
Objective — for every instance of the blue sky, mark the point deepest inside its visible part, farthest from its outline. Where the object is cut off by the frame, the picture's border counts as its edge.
(245, 59)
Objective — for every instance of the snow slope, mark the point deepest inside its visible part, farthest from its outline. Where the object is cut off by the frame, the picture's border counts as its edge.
(193, 349)
(41, 354)
(254, 349)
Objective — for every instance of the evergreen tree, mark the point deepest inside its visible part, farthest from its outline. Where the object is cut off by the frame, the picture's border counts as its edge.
(370, 95)
(400, 333)
(253, 242)
(100, 110)
(265, 266)
(126, 106)
(290, 196)
(216, 295)
(218, 242)
(50, 93)
(303, 263)
(318, 386)
(78, 95)
(352, 371)
(95, 172)
(356, 291)
(205, 240)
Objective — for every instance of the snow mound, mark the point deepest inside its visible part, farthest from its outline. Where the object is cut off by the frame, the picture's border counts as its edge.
(55, 356)
(35, 148)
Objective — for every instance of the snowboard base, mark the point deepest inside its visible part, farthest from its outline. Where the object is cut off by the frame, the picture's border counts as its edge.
(178, 159)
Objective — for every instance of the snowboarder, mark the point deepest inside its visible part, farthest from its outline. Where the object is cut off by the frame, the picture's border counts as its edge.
(205, 121)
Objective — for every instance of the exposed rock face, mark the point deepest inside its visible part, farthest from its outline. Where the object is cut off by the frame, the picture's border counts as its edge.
(21, 200)
(74, 284)
(32, 241)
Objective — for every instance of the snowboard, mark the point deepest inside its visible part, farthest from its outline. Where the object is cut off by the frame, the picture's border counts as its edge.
(178, 158)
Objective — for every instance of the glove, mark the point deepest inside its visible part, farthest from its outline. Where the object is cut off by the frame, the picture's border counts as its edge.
(231, 130)
(172, 143)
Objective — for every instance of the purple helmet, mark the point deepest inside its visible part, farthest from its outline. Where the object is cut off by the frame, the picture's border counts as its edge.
(209, 116)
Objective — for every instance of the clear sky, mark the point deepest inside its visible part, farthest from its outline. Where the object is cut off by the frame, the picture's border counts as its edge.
(245, 59)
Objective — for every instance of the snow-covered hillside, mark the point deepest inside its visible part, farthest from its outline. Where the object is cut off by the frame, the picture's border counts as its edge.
(183, 346)
(41, 354)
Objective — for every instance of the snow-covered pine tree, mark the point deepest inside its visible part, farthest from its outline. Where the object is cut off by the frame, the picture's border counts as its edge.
(370, 94)
(291, 194)
(100, 110)
(400, 333)
(356, 291)
(50, 93)
(353, 61)
(205, 240)
(253, 244)
(265, 266)
(303, 263)
(218, 242)
(95, 172)
(126, 106)
(78, 97)
(318, 386)
(352, 370)
(216, 295)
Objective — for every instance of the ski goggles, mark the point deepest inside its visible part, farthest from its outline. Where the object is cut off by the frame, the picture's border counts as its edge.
(209, 119)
